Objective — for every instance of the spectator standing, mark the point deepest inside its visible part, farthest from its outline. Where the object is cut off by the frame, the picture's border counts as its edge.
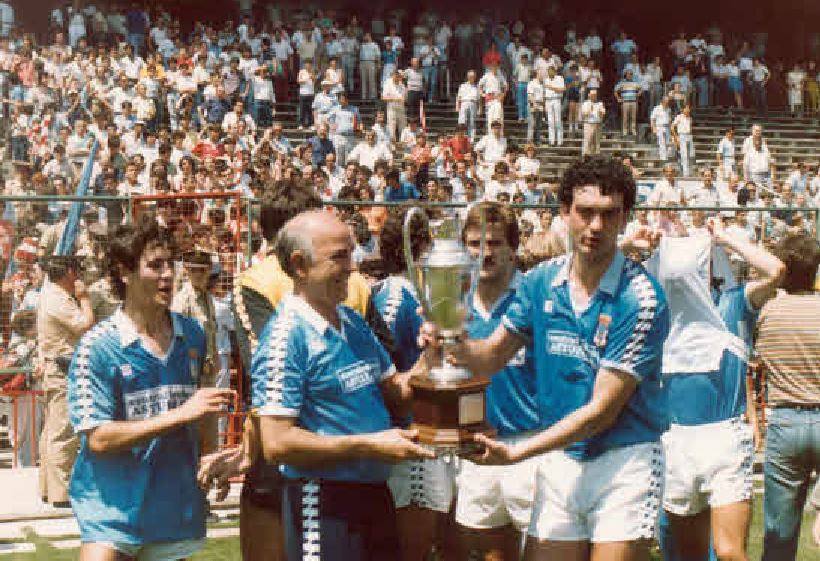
(493, 88)
(523, 72)
(344, 121)
(796, 81)
(535, 113)
(592, 115)
(415, 88)
(554, 88)
(136, 23)
(789, 346)
(661, 121)
(429, 55)
(323, 103)
(726, 154)
(64, 313)
(394, 94)
(369, 56)
(760, 78)
(626, 93)
(682, 135)
(467, 104)
(306, 80)
(350, 49)
(623, 48)
(758, 164)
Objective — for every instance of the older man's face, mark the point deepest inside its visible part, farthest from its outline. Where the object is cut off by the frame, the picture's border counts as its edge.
(325, 277)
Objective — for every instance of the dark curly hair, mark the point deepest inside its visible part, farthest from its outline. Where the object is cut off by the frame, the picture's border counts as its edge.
(391, 242)
(281, 201)
(127, 244)
(609, 174)
(801, 255)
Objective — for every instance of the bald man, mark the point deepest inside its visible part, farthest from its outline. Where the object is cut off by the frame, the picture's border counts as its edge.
(322, 385)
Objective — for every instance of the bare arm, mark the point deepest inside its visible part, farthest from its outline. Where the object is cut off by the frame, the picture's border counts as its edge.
(284, 442)
(485, 357)
(612, 391)
(769, 268)
(117, 436)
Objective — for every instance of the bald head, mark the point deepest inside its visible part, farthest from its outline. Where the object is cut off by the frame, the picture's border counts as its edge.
(303, 238)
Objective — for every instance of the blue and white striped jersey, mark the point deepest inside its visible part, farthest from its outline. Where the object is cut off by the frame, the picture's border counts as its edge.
(148, 493)
(623, 328)
(326, 379)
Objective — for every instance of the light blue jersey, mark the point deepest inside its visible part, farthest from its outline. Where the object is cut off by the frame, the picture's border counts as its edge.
(148, 493)
(511, 395)
(623, 329)
(395, 299)
(710, 397)
(327, 380)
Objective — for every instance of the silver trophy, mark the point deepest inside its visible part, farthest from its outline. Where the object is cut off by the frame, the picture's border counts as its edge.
(448, 404)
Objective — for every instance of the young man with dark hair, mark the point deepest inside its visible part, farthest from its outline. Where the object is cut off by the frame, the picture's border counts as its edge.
(595, 323)
(135, 404)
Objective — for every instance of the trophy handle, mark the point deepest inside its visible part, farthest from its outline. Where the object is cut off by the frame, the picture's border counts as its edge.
(412, 270)
(481, 249)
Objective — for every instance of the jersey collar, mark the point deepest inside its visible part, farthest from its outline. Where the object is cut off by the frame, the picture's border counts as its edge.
(310, 315)
(515, 282)
(128, 332)
(609, 282)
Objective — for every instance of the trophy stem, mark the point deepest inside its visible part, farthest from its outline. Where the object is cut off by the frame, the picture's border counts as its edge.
(449, 373)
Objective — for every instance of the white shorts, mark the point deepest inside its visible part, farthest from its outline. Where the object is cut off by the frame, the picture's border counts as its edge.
(497, 496)
(614, 497)
(427, 484)
(160, 551)
(707, 466)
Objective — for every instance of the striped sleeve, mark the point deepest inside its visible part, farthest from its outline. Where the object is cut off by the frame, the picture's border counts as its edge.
(92, 383)
(276, 377)
(640, 324)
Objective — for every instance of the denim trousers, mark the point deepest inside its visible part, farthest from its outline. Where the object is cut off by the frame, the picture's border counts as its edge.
(521, 99)
(792, 453)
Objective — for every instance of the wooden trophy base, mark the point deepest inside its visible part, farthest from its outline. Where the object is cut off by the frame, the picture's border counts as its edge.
(447, 416)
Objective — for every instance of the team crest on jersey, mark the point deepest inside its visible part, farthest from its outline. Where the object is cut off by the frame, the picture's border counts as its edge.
(548, 306)
(126, 371)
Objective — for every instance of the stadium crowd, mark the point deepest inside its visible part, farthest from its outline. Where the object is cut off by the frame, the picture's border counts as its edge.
(212, 187)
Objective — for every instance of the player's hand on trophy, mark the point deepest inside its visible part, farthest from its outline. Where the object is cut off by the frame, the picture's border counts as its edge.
(206, 401)
(494, 453)
(215, 470)
(397, 445)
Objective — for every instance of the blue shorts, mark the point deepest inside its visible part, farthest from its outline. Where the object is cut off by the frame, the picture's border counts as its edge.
(735, 85)
(339, 521)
